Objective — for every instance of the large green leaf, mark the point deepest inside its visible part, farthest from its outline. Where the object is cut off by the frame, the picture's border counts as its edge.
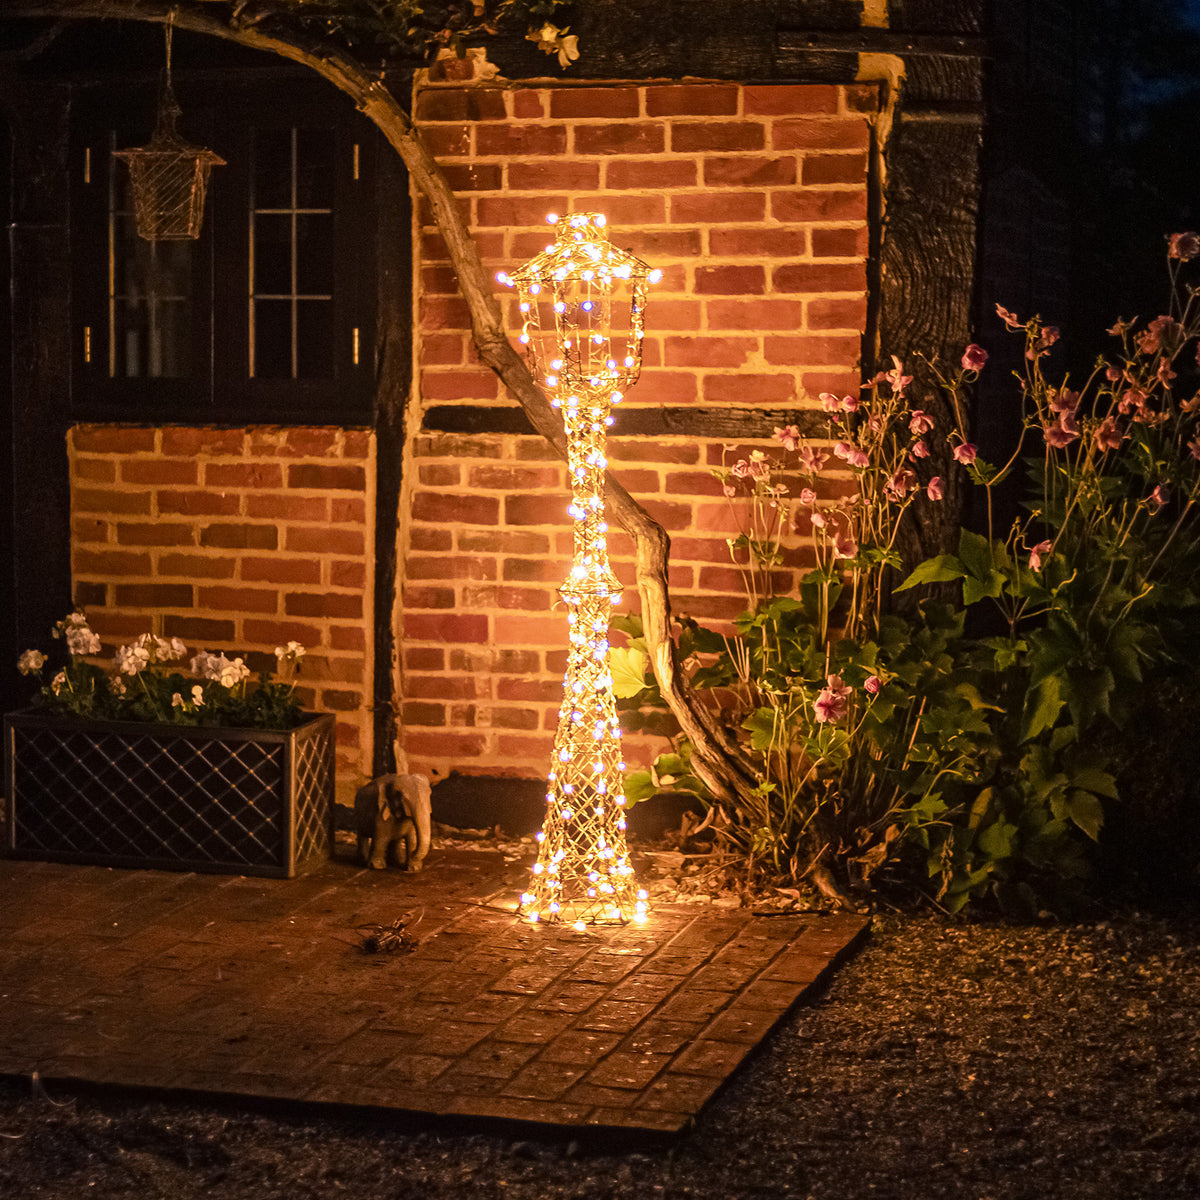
(638, 786)
(761, 726)
(1086, 811)
(628, 667)
(1093, 779)
(941, 569)
(1042, 706)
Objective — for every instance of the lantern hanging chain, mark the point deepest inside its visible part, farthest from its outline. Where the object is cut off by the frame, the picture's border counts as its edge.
(166, 127)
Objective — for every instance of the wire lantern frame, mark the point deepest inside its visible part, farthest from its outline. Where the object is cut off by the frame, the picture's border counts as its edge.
(169, 176)
(582, 304)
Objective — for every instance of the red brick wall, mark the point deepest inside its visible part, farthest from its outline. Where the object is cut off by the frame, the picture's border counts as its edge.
(236, 540)
(753, 201)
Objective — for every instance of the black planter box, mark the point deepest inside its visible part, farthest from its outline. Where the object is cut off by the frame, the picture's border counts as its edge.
(171, 797)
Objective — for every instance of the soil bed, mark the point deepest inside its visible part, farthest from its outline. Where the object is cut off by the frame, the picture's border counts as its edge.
(946, 1060)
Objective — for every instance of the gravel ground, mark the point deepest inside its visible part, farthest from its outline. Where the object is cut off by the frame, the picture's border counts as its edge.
(946, 1060)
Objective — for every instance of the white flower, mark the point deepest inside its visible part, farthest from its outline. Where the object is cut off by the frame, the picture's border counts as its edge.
(117, 684)
(197, 695)
(293, 650)
(80, 638)
(552, 40)
(59, 682)
(130, 660)
(31, 662)
(232, 673)
(178, 649)
(82, 641)
(74, 620)
(205, 665)
(176, 700)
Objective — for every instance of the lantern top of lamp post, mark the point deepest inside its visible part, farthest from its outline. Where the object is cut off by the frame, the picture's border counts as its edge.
(581, 252)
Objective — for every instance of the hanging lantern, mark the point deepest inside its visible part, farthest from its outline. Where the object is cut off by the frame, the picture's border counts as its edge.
(582, 303)
(169, 176)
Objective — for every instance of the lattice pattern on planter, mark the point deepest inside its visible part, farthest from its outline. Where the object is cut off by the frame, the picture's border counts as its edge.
(220, 800)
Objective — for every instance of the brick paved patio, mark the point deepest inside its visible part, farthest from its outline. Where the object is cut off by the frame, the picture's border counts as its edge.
(252, 988)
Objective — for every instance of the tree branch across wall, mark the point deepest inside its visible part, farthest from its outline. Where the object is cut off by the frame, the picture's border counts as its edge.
(326, 38)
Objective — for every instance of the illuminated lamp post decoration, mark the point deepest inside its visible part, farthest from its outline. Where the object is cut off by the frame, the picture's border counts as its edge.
(582, 304)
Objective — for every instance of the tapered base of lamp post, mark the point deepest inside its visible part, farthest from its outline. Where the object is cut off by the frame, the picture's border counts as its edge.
(583, 874)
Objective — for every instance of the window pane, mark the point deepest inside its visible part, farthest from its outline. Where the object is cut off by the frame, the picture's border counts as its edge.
(272, 168)
(272, 339)
(314, 255)
(314, 168)
(149, 294)
(272, 255)
(314, 346)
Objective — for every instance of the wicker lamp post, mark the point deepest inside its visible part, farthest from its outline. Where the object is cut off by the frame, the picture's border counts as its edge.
(582, 304)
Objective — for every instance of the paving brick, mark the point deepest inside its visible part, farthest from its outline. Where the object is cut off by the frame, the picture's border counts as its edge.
(544, 1080)
(661, 1036)
(538, 1028)
(674, 1091)
(694, 1005)
(627, 1069)
(571, 998)
(580, 1047)
(615, 1016)
(708, 1057)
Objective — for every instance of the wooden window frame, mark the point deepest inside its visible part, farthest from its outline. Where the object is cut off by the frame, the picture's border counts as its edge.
(222, 111)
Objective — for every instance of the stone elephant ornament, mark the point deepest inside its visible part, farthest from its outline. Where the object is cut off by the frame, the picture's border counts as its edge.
(393, 810)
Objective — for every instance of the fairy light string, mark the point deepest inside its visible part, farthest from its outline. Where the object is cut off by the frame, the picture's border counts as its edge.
(582, 304)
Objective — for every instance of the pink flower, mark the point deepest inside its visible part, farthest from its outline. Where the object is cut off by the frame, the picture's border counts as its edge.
(1064, 401)
(817, 519)
(872, 684)
(919, 449)
(843, 450)
(896, 376)
(813, 460)
(1112, 374)
(1047, 336)
(849, 404)
(788, 436)
(974, 357)
(1035, 555)
(829, 402)
(760, 467)
(1163, 333)
(858, 458)
(1009, 318)
(807, 497)
(728, 488)
(900, 484)
(1058, 435)
(1194, 447)
(832, 701)
(1107, 435)
(1183, 246)
(845, 546)
(1158, 497)
(966, 453)
(1164, 372)
(934, 488)
(740, 469)
(1119, 328)
(920, 422)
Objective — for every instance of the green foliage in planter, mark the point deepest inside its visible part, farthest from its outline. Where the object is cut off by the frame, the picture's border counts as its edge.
(141, 685)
